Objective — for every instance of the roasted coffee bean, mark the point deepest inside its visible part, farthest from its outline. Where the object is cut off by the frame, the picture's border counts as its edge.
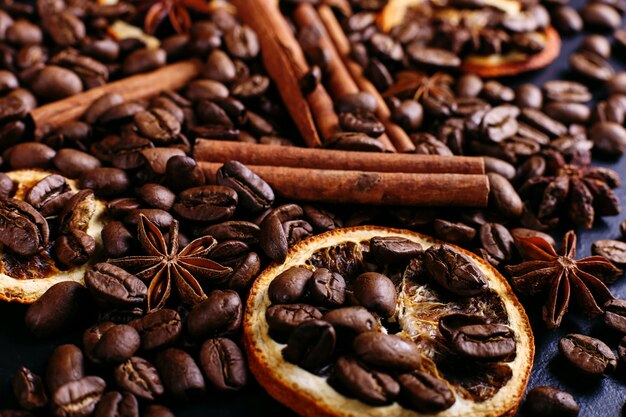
(49, 195)
(65, 364)
(180, 374)
(469, 85)
(311, 345)
(219, 67)
(156, 196)
(591, 66)
(357, 102)
(362, 122)
(144, 60)
(452, 232)
(349, 322)
(495, 92)
(228, 251)
(370, 386)
(498, 166)
(254, 193)
(240, 230)
(7, 186)
(64, 28)
(617, 84)
(548, 402)
(409, 114)
(608, 138)
(480, 341)
(454, 271)
(289, 286)
(29, 155)
(393, 249)
(521, 232)
(375, 292)
(568, 112)
(223, 364)
(244, 272)
(121, 112)
(615, 315)
(321, 220)
(543, 122)
(613, 250)
(74, 248)
(503, 197)
(219, 315)
(112, 286)
(157, 124)
(567, 20)
(72, 163)
(117, 240)
(161, 218)
(105, 181)
(590, 356)
(104, 50)
(283, 318)
(63, 306)
(182, 173)
(386, 351)
(497, 241)
(206, 90)
(111, 343)
(22, 32)
(55, 83)
(327, 288)
(566, 91)
(115, 404)
(425, 393)
(11, 133)
(242, 42)
(597, 44)
(432, 58)
(500, 123)
(8, 81)
(139, 377)
(354, 141)
(29, 390)
(23, 229)
(601, 16)
(159, 328)
(78, 398)
(207, 203)
(310, 80)
(155, 410)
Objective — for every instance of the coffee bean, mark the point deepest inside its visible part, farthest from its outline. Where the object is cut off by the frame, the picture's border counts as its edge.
(156, 196)
(588, 355)
(567, 91)
(65, 364)
(375, 292)
(370, 386)
(110, 343)
(116, 239)
(74, 248)
(219, 315)
(78, 398)
(283, 318)
(547, 401)
(597, 44)
(29, 155)
(182, 173)
(311, 345)
(144, 60)
(496, 93)
(393, 249)
(568, 112)
(219, 67)
(469, 85)
(105, 181)
(354, 141)
(161, 218)
(591, 66)
(543, 122)
(240, 230)
(254, 193)
(22, 32)
(349, 322)
(608, 138)
(8, 81)
(155, 410)
(120, 112)
(63, 306)
(452, 232)
(112, 286)
(617, 84)
(497, 241)
(72, 163)
(327, 288)
(498, 166)
(432, 58)
(567, 20)
(55, 83)
(425, 393)
(615, 315)
(242, 42)
(601, 16)
(207, 203)
(158, 329)
(521, 232)
(454, 271)
(310, 80)
(386, 351)
(362, 122)
(613, 250)
(409, 115)
(49, 195)
(206, 90)
(181, 376)
(473, 337)
(29, 390)
(357, 102)
(223, 364)
(139, 377)
(289, 286)
(64, 28)
(115, 404)
(104, 50)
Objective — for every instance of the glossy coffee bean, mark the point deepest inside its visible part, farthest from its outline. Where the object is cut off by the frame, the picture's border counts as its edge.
(158, 329)
(375, 292)
(425, 393)
(601, 16)
(391, 249)
(208, 203)
(155, 410)
(219, 315)
(386, 351)
(283, 318)
(29, 390)
(78, 398)
(29, 155)
(548, 401)
(117, 240)
(115, 404)
(311, 345)
(180, 373)
(55, 83)
(74, 248)
(590, 356)
(351, 321)
(65, 364)
(254, 193)
(613, 250)
(112, 286)
(143, 60)
(111, 344)
(370, 386)
(615, 315)
(608, 138)
(139, 377)
(289, 286)
(454, 271)
(327, 288)
(105, 181)
(567, 20)
(223, 364)
(72, 163)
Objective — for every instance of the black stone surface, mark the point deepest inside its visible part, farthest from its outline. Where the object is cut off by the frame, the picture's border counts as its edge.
(598, 398)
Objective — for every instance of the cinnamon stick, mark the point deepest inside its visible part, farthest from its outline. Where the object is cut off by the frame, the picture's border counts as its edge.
(397, 135)
(291, 156)
(376, 188)
(285, 63)
(339, 80)
(169, 77)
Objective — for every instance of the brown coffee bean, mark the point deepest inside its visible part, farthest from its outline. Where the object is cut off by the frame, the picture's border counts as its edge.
(207, 203)
(112, 286)
(117, 240)
(180, 373)
(182, 173)
(8, 81)
(240, 230)
(454, 271)
(613, 250)
(393, 249)
(24, 230)
(567, 20)
(29, 155)
(155, 410)
(74, 248)
(547, 402)
(353, 141)
(116, 344)
(64, 28)
(497, 241)
(55, 83)
(327, 288)
(597, 44)
(49, 195)
(459, 233)
(356, 102)
(156, 196)
(567, 91)
(351, 321)
(219, 315)
(22, 32)
(206, 90)
(29, 390)
(568, 112)
(65, 364)
(72, 163)
(78, 398)
(469, 85)
(311, 345)
(617, 84)
(157, 124)
(223, 364)
(139, 377)
(219, 67)
(254, 193)
(386, 351)
(283, 318)
(115, 404)
(63, 306)
(370, 386)
(158, 329)
(591, 66)
(425, 393)
(588, 355)
(120, 112)
(289, 286)
(543, 122)
(608, 137)
(376, 292)
(601, 16)
(105, 181)
(615, 315)
(144, 60)
(242, 42)
(161, 218)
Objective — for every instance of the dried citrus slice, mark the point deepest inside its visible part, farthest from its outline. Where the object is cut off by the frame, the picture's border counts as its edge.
(493, 388)
(25, 278)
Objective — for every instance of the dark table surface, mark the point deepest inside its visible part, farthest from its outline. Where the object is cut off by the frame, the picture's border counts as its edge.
(597, 398)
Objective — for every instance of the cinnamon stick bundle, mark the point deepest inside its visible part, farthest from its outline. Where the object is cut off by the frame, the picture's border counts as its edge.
(291, 156)
(169, 77)
(376, 188)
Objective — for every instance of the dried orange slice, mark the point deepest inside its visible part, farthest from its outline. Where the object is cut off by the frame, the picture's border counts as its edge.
(480, 390)
(25, 279)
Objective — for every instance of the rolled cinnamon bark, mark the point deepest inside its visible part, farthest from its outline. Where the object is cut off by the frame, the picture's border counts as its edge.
(169, 77)
(375, 188)
(291, 156)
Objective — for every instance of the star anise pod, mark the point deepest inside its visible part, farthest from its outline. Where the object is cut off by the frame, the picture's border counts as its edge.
(578, 191)
(178, 12)
(164, 265)
(418, 85)
(558, 274)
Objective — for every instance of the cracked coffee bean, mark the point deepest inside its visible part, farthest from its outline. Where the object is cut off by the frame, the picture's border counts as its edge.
(613, 250)
(110, 343)
(139, 377)
(588, 355)
(158, 329)
(327, 288)
(454, 271)
(78, 398)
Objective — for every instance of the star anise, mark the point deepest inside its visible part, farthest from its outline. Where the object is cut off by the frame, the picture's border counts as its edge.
(178, 12)
(578, 191)
(418, 85)
(559, 275)
(164, 266)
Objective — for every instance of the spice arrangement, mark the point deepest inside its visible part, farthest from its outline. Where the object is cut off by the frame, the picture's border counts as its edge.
(200, 197)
